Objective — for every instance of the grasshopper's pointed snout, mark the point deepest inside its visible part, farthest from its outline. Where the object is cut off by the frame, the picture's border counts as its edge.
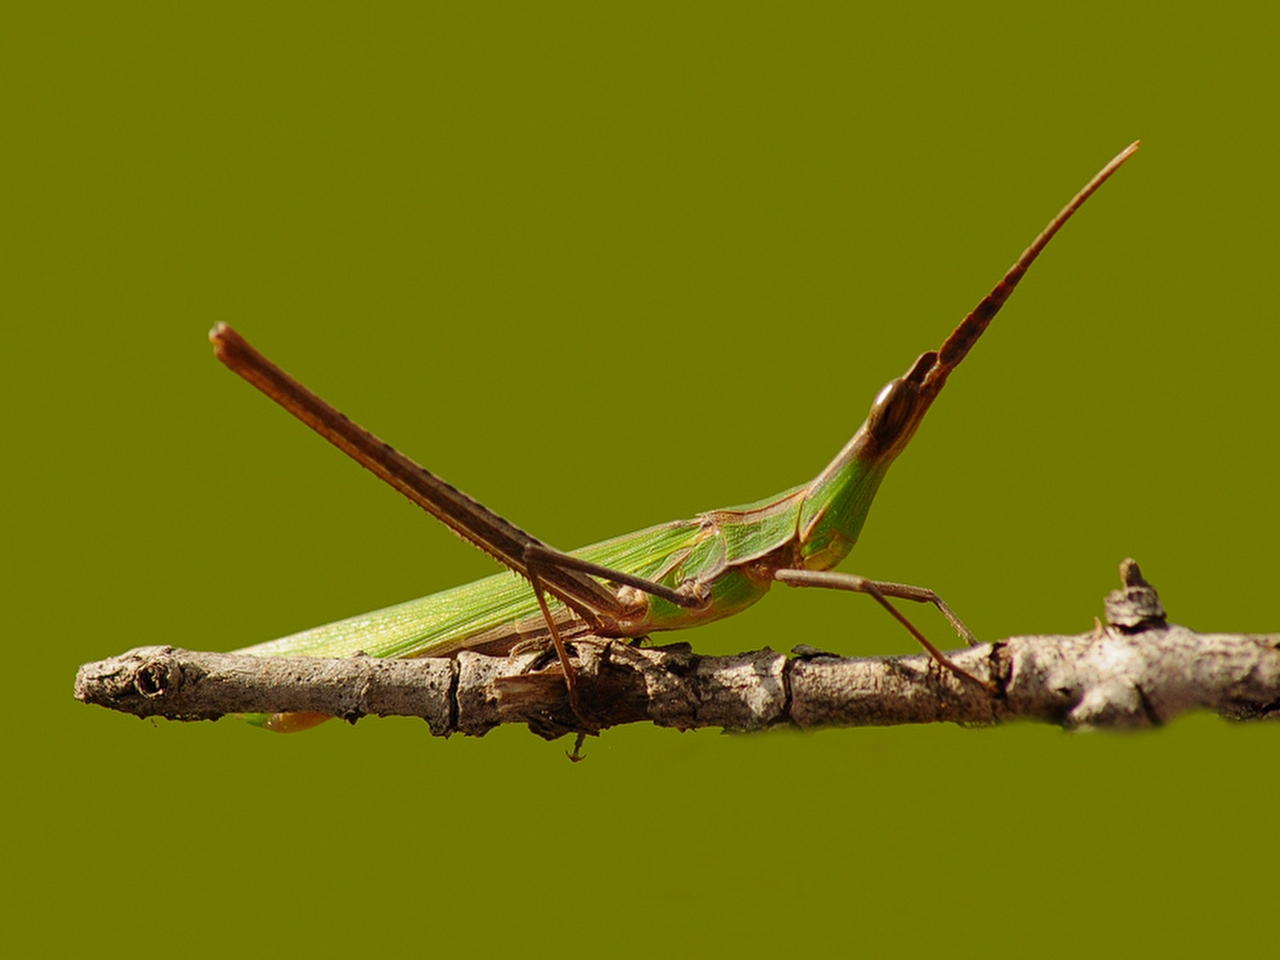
(900, 406)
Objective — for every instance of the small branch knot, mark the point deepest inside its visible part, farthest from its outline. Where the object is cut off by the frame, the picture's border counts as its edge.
(1135, 607)
(157, 678)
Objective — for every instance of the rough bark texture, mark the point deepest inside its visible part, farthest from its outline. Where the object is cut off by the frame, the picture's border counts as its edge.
(1136, 671)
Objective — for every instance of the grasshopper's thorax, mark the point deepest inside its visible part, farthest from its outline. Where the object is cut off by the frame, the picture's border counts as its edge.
(834, 511)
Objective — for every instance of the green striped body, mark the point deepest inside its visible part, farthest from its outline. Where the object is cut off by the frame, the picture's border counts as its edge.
(732, 552)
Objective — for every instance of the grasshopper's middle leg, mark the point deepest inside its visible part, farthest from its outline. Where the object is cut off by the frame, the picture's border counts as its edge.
(540, 557)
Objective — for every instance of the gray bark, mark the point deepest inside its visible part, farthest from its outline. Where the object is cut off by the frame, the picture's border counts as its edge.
(1135, 671)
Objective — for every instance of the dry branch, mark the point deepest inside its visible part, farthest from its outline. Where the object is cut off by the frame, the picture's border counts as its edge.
(1135, 671)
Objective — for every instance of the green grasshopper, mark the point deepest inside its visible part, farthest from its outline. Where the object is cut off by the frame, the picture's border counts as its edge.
(669, 577)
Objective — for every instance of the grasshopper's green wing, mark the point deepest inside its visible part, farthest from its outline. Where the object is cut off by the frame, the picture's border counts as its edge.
(491, 615)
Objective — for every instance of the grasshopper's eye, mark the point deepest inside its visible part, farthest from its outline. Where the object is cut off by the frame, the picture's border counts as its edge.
(897, 409)
(893, 411)
(882, 398)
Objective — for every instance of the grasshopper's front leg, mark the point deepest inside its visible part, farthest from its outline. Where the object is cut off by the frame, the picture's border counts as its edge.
(883, 588)
(880, 591)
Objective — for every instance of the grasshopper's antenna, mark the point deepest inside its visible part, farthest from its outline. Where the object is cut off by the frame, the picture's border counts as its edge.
(971, 327)
(902, 404)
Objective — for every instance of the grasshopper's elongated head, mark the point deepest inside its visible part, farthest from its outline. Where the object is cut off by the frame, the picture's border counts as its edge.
(837, 501)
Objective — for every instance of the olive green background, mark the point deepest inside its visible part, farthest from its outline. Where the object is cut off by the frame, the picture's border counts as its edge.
(604, 266)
